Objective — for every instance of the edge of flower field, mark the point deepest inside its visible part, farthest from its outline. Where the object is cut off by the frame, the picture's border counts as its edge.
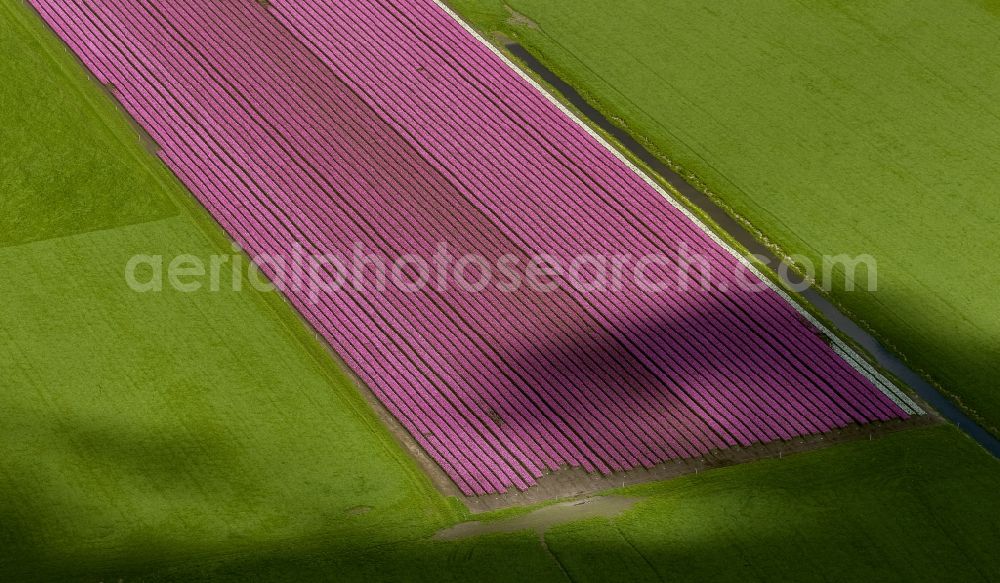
(846, 351)
(442, 508)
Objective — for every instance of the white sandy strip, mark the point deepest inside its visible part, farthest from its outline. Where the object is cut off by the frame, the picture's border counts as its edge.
(841, 348)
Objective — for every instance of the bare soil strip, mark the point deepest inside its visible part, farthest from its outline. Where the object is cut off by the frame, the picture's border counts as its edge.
(576, 483)
(544, 518)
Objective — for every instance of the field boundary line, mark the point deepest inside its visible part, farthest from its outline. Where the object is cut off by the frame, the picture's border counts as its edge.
(125, 226)
(851, 356)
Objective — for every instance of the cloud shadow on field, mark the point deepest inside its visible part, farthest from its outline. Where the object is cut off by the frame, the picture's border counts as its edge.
(619, 376)
(78, 491)
(909, 506)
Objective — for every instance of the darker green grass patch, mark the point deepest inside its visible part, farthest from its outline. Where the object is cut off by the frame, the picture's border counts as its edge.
(69, 162)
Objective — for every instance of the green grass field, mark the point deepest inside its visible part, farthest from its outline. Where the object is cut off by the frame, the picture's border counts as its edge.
(208, 435)
(919, 506)
(833, 127)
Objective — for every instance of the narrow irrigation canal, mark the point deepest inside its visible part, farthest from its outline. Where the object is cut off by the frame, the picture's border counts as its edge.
(885, 359)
